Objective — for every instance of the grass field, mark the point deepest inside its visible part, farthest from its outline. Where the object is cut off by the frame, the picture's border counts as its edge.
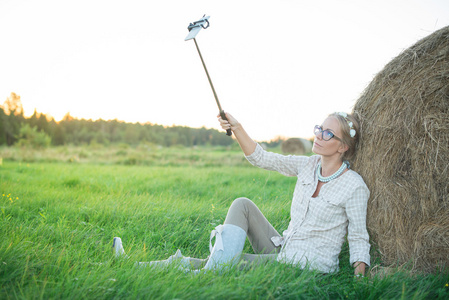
(61, 207)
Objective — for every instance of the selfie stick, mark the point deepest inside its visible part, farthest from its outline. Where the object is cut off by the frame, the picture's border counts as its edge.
(194, 28)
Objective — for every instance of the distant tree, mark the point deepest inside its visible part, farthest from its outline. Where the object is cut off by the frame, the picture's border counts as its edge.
(67, 117)
(132, 134)
(57, 133)
(13, 105)
(112, 130)
(31, 137)
(42, 123)
(14, 118)
(3, 117)
(68, 126)
(32, 121)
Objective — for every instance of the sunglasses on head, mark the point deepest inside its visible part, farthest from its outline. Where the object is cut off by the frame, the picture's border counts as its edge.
(326, 135)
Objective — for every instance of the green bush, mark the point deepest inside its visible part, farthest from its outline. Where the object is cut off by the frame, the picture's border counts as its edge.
(31, 137)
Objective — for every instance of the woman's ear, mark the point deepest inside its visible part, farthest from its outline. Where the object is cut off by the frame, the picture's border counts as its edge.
(343, 148)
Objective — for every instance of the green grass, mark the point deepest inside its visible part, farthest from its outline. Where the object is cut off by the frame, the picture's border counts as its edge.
(58, 219)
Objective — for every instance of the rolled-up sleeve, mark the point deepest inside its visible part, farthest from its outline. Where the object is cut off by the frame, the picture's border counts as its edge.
(358, 237)
(288, 165)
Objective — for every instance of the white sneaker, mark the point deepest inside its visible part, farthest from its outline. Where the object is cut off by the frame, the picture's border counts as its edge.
(117, 248)
(184, 261)
(177, 255)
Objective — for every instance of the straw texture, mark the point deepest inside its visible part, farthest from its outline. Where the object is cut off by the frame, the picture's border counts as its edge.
(403, 155)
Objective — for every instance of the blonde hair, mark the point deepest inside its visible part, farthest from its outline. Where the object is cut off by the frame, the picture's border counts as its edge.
(346, 138)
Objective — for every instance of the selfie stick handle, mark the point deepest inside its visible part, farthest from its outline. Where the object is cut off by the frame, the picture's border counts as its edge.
(222, 113)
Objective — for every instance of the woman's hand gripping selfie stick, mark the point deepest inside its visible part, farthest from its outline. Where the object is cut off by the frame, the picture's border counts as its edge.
(194, 28)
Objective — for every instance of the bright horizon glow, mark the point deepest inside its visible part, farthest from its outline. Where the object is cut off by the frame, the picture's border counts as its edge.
(279, 67)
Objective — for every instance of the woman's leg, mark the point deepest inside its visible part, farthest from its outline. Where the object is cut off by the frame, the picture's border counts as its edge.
(190, 263)
(187, 262)
(197, 263)
(245, 214)
(259, 258)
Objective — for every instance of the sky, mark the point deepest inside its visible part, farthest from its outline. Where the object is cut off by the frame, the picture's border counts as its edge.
(280, 67)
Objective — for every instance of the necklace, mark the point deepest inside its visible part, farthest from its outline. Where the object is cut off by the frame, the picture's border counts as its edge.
(344, 166)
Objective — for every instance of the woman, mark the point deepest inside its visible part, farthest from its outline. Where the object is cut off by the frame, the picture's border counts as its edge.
(329, 201)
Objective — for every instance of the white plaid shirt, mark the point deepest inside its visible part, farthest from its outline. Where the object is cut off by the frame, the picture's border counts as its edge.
(318, 225)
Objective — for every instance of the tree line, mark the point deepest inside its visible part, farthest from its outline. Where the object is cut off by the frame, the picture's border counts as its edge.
(39, 130)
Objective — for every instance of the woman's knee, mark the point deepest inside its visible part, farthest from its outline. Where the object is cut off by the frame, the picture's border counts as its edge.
(242, 201)
(239, 205)
(238, 213)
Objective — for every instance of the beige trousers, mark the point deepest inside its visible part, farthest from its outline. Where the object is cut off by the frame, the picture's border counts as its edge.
(245, 214)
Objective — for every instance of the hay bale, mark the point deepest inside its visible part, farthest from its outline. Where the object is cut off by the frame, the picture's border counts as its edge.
(403, 155)
(296, 146)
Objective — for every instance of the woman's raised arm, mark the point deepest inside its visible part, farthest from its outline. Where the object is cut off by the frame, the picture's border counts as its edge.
(247, 144)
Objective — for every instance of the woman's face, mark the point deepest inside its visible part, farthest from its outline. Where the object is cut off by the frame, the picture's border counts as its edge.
(332, 147)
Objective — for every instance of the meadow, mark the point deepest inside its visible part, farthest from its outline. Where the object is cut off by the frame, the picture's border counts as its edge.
(62, 206)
